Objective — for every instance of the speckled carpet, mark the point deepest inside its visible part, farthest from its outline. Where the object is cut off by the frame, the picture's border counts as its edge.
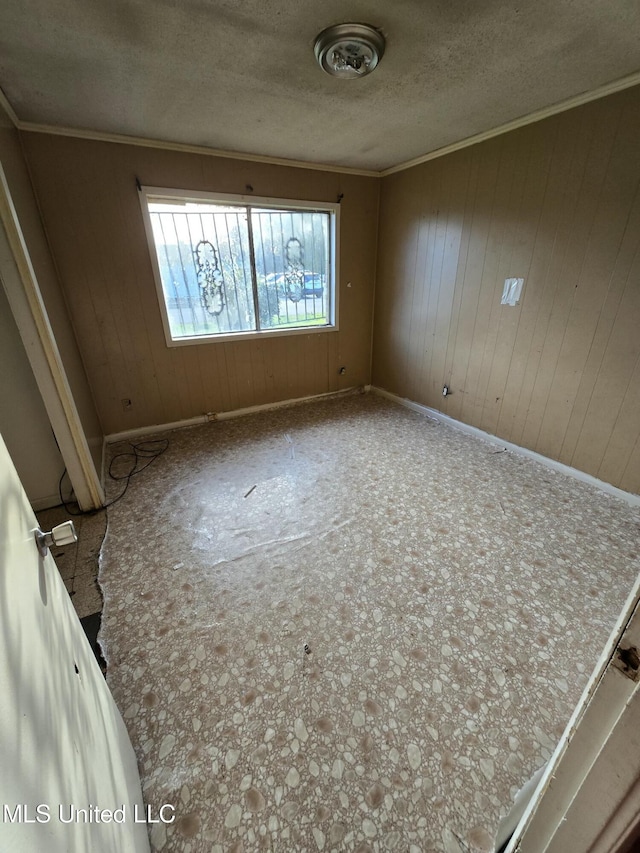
(344, 626)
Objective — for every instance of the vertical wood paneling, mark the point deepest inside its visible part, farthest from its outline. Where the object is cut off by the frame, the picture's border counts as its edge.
(503, 221)
(557, 203)
(575, 336)
(425, 301)
(613, 244)
(616, 395)
(556, 306)
(92, 215)
(478, 247)
(438, 364)
(516, 254)
(540, 293)
(525, 355)
(422, 263)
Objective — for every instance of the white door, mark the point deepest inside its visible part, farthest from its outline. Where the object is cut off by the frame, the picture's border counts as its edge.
(65, 755)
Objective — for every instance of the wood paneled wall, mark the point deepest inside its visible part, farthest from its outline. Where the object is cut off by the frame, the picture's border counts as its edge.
(22, 194)
(91, 212)
(558, 204)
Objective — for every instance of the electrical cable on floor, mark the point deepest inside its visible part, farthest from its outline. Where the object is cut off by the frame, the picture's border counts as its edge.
(143, 450)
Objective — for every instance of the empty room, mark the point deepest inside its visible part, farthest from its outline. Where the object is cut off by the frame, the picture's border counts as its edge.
(321, 403)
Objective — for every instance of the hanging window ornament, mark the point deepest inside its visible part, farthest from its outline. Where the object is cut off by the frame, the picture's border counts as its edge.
(209, 278)
(294, 272)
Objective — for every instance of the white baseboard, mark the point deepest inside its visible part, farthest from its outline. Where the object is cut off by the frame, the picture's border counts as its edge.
(628, 497)
(223, 416)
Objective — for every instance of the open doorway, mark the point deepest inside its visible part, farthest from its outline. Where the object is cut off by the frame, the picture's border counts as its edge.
(28, 312)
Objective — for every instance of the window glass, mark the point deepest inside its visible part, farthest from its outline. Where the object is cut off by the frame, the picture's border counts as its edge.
(226, 268)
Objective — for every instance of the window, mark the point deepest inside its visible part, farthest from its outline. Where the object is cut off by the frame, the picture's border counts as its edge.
(241, 266)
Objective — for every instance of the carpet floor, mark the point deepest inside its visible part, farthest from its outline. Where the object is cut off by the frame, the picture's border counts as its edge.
(345, 626)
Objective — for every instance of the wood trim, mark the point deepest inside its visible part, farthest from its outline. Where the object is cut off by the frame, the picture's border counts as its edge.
(99, 136)
(225, 416)
(568, 104)
(594, 725)
(627, 497)
(147, 195)
(33, 323)
(137, 432)
(122, 139)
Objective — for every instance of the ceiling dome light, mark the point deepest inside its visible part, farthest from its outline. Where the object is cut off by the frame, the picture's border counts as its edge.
(349, 50)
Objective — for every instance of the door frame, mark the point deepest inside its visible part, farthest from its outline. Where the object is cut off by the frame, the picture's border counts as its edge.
(583, 794)
(25, 299)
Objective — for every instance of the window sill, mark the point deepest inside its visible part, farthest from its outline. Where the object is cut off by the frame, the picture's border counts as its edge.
(263, 334)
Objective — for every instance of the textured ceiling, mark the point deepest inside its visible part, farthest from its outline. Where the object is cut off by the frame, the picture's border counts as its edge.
(242, 76)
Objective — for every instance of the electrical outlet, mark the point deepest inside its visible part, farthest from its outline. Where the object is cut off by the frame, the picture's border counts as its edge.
(126, 403)
(445, 390)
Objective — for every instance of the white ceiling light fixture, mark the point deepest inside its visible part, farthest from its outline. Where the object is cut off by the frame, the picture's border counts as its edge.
(349, 50)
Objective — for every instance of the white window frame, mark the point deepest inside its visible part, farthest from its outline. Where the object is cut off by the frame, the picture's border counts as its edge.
(163, 193)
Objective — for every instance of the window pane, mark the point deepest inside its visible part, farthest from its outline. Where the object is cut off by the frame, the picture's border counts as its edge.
(220, 272)
(292, 267)
(203, 255)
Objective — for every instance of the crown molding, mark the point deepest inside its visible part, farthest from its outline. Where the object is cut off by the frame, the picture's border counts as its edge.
(97, 136)
(560, 107)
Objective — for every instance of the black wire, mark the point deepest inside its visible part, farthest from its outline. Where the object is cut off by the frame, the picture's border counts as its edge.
(143, 450)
